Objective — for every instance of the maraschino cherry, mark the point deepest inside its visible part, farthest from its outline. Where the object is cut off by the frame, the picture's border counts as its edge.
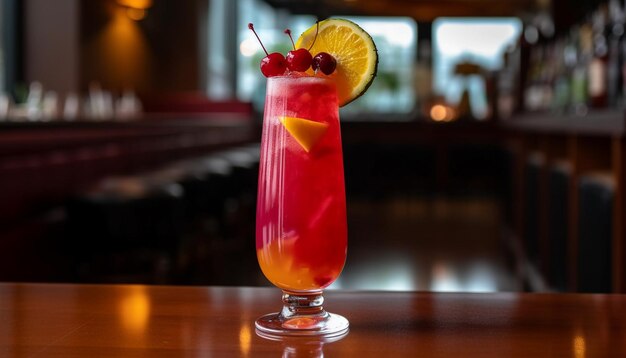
(298, 60)
(273, 64)
(324, 62)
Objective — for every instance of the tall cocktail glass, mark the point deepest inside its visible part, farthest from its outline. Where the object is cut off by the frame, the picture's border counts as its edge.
(301, 231)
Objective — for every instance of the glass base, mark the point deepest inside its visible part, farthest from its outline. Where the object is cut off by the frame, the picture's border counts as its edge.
(302, 315)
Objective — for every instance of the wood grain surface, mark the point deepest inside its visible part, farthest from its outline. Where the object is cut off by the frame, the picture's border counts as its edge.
(151, 321)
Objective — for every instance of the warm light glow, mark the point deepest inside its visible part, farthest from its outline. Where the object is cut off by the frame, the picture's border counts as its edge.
(248, 47)
(442, 113)
(120, 51)
(245, 337)
(438, 113)
(136, 14)
(134, 310)
(136, 4)
(450, 115)
(579, 346)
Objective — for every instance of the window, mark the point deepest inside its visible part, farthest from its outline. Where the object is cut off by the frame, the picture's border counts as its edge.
(269, 24)
(218, 83)
(396, 39)
(480, 41)
(233, 59)
(393, 90)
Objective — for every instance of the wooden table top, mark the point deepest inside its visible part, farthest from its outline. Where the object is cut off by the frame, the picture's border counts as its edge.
(149, 321)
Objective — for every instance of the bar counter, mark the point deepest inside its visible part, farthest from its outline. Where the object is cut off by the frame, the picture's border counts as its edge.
(54, 320)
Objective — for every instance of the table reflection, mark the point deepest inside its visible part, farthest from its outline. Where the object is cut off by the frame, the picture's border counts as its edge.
(302, 347)
(134, 310)
(579, 346)
(245, 338)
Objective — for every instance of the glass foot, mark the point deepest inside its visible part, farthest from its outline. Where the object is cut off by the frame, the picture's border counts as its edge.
(302, 315)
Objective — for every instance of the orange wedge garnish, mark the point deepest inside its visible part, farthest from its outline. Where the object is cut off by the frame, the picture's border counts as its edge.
(305, 131)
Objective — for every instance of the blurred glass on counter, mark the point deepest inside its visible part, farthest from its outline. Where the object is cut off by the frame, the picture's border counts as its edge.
(37, 104)
(71, 108)
(99, 103)
(128, 106)
(34, 101)
(50, 106)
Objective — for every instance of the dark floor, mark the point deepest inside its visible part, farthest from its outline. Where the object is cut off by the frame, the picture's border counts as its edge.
(402, 244)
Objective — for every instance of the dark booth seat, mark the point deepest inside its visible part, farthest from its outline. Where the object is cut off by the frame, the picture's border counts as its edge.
(531, 205)
(42, 165)
(559, 177)
(125, 229)
(595, 232)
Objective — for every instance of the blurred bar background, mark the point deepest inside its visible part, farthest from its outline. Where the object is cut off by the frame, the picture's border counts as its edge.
(488, 155)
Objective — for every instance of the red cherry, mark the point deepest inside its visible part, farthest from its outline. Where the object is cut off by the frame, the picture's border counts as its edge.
(299, 60)
(324, 62)
(273, 64)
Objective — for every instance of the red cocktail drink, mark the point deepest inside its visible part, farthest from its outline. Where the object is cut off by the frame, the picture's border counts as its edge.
(301, 232)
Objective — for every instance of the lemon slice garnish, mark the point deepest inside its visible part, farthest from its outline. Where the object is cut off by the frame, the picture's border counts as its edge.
(354, 50)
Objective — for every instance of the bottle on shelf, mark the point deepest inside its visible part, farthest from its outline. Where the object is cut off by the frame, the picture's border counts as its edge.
(622, 59)
(598, 65)
(532, 81)
(508, 79)
(538, 93)
(582, 37)
(563, 64)
(615, 30)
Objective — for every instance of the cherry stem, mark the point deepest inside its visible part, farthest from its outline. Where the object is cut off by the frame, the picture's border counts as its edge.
(317, 30)
(251, 27)
(288, 32)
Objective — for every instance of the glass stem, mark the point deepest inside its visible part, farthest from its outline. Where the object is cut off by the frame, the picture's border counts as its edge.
(303, 304)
